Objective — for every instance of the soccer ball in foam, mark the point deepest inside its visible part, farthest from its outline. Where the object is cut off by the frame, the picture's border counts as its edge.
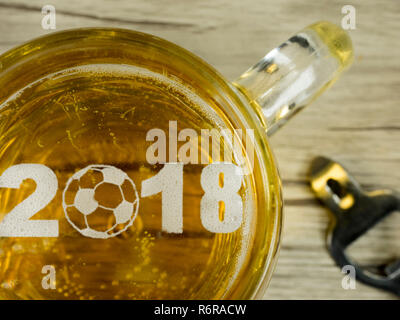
(100, 201)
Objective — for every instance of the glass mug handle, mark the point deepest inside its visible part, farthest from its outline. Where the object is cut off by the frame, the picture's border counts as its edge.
(292, 75)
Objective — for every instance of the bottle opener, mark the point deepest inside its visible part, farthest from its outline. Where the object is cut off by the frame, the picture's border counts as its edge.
(355, 211)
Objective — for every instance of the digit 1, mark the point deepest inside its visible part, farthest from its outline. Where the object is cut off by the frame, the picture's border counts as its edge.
(169, 181)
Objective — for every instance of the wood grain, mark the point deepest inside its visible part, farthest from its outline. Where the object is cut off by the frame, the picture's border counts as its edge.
(356, 122)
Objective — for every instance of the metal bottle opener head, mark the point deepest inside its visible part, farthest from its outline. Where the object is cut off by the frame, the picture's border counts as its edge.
(354, 213)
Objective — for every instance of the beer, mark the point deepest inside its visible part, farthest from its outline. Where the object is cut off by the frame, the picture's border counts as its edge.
(100, 114)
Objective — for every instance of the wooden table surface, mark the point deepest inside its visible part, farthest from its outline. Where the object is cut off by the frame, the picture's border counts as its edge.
(356, 122)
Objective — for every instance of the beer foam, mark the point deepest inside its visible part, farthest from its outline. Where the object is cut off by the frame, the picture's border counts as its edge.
(129, 71)
(171, 81)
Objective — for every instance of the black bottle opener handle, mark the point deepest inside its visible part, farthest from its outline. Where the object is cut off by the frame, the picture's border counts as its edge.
(354, 213)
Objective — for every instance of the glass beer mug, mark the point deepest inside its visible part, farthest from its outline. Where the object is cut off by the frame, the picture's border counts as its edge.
(131, 169)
